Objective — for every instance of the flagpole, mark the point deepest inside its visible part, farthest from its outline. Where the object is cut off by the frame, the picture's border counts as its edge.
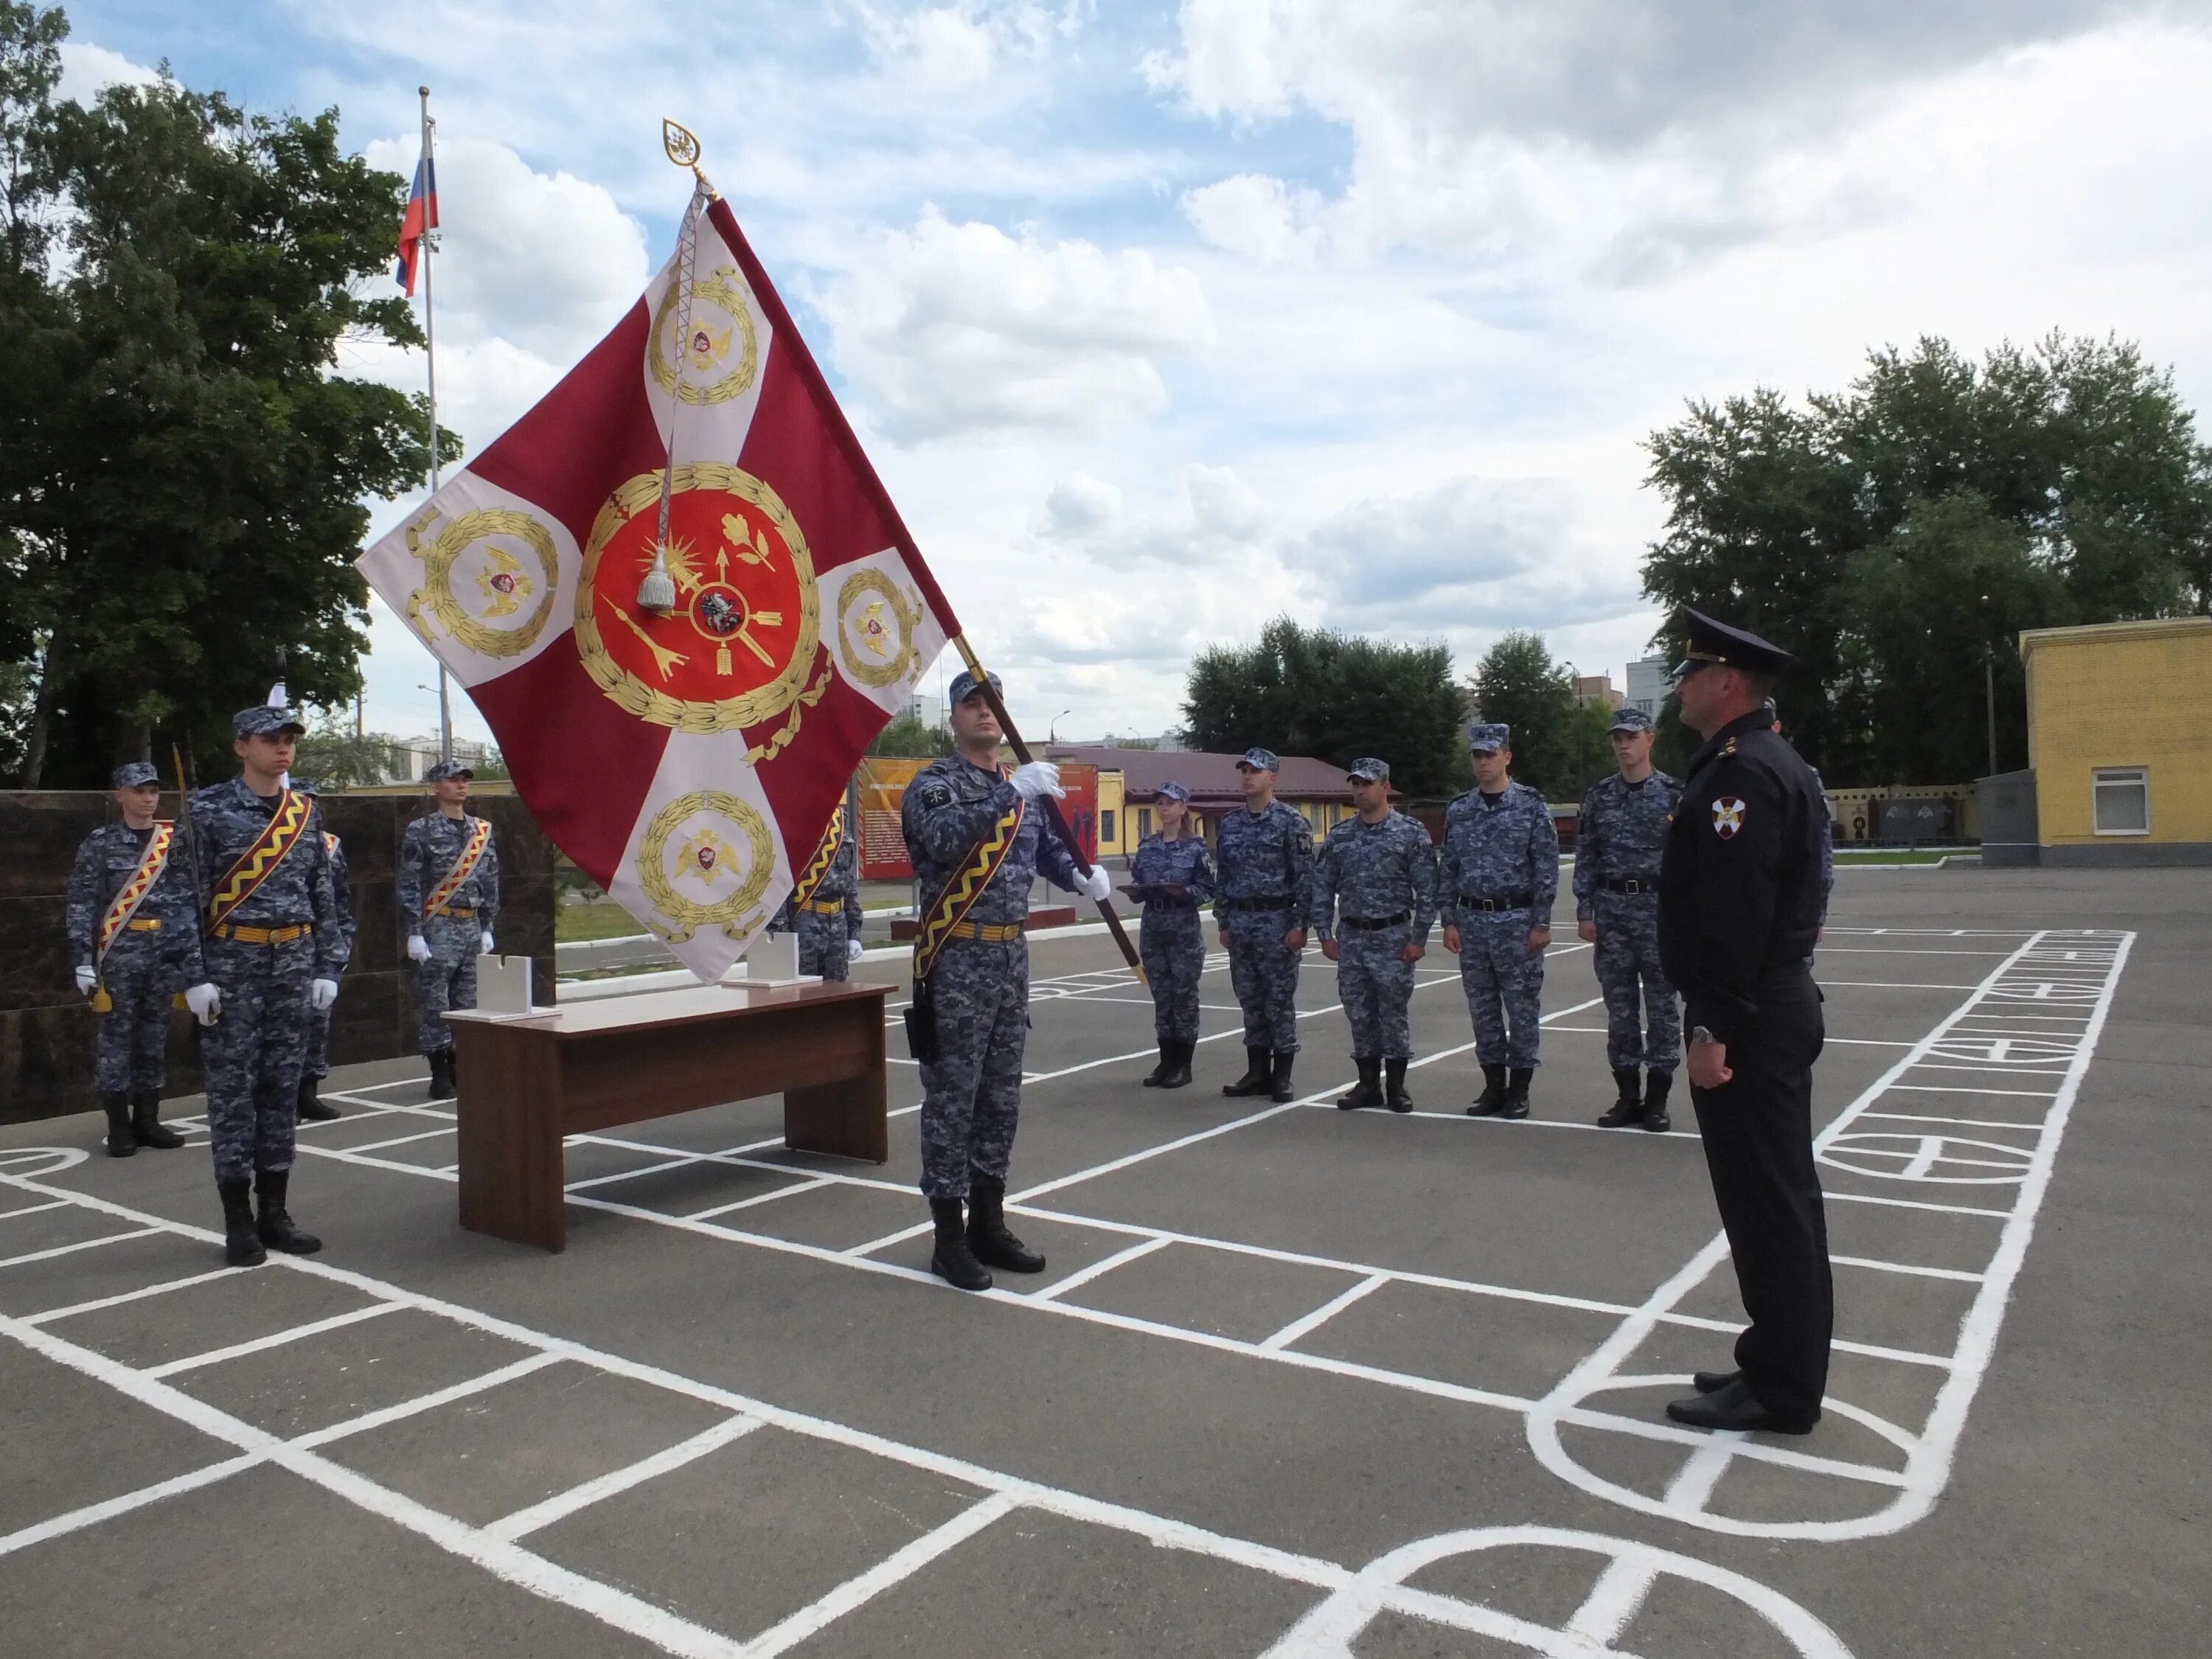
(430, 364)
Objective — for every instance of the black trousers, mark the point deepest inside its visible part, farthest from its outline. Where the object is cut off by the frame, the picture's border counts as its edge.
(1757, 1131)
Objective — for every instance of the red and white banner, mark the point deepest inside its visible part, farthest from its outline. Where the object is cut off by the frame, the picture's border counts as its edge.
(688, 760)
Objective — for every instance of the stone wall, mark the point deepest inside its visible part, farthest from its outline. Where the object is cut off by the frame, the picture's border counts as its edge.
(45, 1027)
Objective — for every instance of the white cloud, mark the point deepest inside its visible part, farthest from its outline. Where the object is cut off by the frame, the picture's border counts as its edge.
(87, 68)
(1253, 214)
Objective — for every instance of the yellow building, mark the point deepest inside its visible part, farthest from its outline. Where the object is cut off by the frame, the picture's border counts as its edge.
(2118, 715)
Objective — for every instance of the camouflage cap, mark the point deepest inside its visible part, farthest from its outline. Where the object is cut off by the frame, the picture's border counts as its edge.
(262, 720)
(135, 775)
(1489, 734)
(1629, 717)
(1260, 760)
(1368, 770)
(1172, 791)
(964, 685)
(445, 769)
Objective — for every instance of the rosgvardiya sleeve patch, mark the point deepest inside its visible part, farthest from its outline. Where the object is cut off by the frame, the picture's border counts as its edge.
(1727, 816)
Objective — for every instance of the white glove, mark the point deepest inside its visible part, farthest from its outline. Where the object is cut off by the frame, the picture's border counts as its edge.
(487, 948)
(205, 1001)
(321, 993)
(1039, 778)
(86, 979)
(855, 950)
(418, 948)
(1098, 884)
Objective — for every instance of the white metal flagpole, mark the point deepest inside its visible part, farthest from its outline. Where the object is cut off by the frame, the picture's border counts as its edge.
(430, 358)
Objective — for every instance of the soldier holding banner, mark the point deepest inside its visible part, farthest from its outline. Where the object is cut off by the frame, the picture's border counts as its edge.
(824, 906)
(448, 895)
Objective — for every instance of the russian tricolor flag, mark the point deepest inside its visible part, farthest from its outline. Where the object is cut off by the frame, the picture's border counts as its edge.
(422, 217)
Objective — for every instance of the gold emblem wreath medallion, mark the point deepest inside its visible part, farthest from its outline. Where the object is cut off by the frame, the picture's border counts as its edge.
(875, 626)
(686, 351)
(477, 551)
(727, 886)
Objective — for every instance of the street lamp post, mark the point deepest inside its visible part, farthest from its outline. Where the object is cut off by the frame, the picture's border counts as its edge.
(1052, 727)
(1989, 685)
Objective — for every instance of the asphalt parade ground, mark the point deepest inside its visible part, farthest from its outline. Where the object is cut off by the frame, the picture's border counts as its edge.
(1297, 1382)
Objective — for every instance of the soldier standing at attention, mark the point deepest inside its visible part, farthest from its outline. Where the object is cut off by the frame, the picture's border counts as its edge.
(1380, 868)
(313, 1107)
(977, 839)
(1739, 910)
(448, 893)
(1498, 871)
(1624, 829)
(1172, 876)
(134, 938)
(273, 950)
(1265, 855)
(824, 906)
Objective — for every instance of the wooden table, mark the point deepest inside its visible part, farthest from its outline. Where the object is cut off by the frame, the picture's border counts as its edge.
(527, 1081)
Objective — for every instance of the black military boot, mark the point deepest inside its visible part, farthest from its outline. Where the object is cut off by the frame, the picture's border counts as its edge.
(1158, 1074)
(1629, 1107)
(994, 1247)
(1492, 1097)
(1367, 1091)
(1394, 1096)
(952, 1261)
(1516, 1103)
(146, 1126)
(1279, 1080)
(275, 1225)
(441, 1073)
(1256, 1081)
(1655, 1085)
(311, 1108)
(1178, 1075)
(241, 1243)
(121, 1141)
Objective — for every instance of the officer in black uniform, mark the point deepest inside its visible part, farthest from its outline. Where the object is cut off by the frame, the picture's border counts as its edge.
(1739, 908)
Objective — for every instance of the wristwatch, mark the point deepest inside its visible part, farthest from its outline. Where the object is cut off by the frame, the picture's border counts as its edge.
(1698, 1035)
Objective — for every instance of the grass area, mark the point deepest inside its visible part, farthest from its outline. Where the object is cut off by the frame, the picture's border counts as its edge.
(1899, 855)
(600, 918)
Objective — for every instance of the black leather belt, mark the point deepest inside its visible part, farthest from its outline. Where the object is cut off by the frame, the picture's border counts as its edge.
(1375, 924)
(1264, 902)
(1497, 902)
(1646, 884)
(1170, 905)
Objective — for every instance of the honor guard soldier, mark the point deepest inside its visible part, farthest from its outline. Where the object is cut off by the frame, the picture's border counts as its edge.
(448, 892)
(1172, 876)
(312, 1108)
(273, 950)
(1497, 872)
(1375, 900)
(978, 840)
(134, 938)
(1623, 831)
(1265, 855)
(1739, 910)
(824, 906)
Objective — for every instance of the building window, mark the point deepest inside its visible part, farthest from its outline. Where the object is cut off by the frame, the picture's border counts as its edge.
(1144, 821)
(1105, 825)
(2122, 798)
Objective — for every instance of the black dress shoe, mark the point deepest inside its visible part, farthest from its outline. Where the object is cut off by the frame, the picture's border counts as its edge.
(1713, 1381)
(1734, 1407)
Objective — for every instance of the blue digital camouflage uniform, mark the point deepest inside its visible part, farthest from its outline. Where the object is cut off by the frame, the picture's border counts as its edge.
(147, 964)
(1498, 872)
(1371, 872)
(972, 1091)
(832, 917)
(254, 1052)
(318, 1024)
(1171, 941)
(1624, 831)
(448, 979)
(1265, 890)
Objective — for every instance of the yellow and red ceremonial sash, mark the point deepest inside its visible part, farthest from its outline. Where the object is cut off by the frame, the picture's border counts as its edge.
(950, 908)
(259, 861)
(818, 868)
(132, 893)
(463, 866)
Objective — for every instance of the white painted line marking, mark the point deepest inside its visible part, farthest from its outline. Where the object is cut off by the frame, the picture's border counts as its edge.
(1620, 1589)
(1890, 985)
(1913, 1204)
(808, 1186)
(561, 1505)
(1961, 1122)
(71, 1249)
(402, 1140)
(1096, 1270)
(1960, 1273)
(274, 1339)
(120, 1297)
(107, 1509)
(32, 1209)
(1327, 1310)
(424, 1402)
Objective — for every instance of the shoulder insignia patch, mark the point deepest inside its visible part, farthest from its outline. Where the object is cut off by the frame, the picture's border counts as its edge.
(1728, 817)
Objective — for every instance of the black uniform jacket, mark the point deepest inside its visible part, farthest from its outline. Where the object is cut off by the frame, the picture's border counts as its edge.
(1740, 898)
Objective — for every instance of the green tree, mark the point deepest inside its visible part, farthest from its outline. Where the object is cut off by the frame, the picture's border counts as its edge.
(1518, 683)
(180, 517)
(336, 757)
(1338, 697)
(910, 738)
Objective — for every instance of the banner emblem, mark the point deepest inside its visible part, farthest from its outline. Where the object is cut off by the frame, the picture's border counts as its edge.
(705, 861)
(477, 575)
(875, 624)
(722, 313)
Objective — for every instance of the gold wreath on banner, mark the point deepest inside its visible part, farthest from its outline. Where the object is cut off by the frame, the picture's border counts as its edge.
(783, 693)
(706, 345)
(503, 582)
(707, 860)
(890, 645)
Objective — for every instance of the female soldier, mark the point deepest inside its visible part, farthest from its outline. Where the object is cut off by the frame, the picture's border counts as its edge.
(1172, 876)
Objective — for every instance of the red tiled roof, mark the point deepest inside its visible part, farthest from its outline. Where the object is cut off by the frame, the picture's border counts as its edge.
(1210, 778)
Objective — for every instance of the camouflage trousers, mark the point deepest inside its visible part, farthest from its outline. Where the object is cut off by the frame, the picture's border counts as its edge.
(822, 944)
(1265, 975)
(448, 980)
(1374, 982)
(972, 1091)
(1504, 981)
(1171, 944)
(131, 1042)
(1627, 962)
(252, 1054)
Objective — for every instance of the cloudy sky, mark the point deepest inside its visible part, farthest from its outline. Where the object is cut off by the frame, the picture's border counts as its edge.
(1162, 320)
